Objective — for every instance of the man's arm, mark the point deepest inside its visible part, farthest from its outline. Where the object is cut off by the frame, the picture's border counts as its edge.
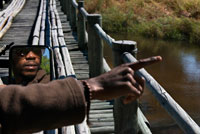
(62, 102)
(121, 81)
(41, 106)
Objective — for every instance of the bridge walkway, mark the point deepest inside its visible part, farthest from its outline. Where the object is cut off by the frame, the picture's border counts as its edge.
(101, 116)
(101, 113)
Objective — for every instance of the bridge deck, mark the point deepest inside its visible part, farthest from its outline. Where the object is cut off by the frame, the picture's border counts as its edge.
(101, 113)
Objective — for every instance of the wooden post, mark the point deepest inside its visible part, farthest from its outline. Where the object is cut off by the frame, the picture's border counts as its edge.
(1, 4)
(73, 17)
(67, 8)
(81, 28)
(6, 1)
(63, 5)
(95, 46)
(125, 116)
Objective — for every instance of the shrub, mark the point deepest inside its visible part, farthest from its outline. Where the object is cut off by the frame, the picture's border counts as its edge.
(167, 19)
(195, 34)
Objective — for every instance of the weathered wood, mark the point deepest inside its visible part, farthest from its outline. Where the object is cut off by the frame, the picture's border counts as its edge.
(6, 27)
(67, 61)
(81, 66)
(95, 46)
(80, 128)
(101, 107)
(68, 130)
(101, 115)
(101, 124)
(101, 111)
(102, 120)
(72, 47)
(81, 28)
(126, 121)
(68, 8)
(21, 29)
(177, 113)
(103, 35)
(102, 130)
(36, 33)
(100, 103)
(143, 123)
(7, 15)
(1, 4)
(82, 62)
(73, 7)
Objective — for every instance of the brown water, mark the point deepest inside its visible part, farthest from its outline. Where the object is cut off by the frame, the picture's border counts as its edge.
(178, 73)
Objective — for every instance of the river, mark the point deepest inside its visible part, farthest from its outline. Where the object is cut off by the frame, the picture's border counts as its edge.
(178, 73)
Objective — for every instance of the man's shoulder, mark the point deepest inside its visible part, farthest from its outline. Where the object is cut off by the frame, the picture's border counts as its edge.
(42, 77)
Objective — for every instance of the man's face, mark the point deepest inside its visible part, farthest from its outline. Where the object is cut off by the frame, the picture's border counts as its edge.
(26, 62)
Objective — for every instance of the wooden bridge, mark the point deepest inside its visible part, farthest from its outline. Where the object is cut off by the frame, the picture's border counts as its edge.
(76, 39)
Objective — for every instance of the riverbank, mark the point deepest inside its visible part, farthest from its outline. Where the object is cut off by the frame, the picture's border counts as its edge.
(165, 19)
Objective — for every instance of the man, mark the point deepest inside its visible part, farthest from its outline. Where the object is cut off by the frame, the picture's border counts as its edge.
(26, 66)
(27, 109)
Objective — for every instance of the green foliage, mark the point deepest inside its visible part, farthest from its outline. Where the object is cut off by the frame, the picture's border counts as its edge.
(169, 28)
(195, 35)
(167, 19)
(114, 20)
(45, 64)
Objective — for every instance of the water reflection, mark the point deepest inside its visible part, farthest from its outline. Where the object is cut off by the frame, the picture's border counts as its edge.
(178, 73)
(191, 67)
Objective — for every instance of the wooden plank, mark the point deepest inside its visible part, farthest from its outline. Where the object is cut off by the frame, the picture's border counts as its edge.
(102, 119)
(101, 107)
(82, 76)
(101, 111)
(80, 62)
(101, 124)
(100, 103)
(80, 66)
(102, 130)
(100, 115)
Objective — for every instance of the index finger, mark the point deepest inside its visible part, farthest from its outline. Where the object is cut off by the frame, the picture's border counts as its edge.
(144, 62)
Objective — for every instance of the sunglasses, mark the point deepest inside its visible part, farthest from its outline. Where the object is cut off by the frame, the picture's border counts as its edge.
(23, 52)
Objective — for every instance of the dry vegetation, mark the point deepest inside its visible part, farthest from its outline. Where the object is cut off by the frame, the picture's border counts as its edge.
(168, 19)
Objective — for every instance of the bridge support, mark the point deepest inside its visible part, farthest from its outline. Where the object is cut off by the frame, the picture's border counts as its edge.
(95, 46)
(125, 115)
(81, 28)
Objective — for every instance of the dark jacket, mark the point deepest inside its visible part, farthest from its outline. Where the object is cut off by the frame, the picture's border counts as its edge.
(41, 77)
(36, 107)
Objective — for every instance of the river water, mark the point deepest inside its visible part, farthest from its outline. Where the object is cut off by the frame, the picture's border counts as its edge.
(178, 73)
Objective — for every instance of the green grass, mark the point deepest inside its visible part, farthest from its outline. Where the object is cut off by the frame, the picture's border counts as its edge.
(166, 19)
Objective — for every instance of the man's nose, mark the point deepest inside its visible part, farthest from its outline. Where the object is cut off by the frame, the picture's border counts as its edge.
(30, 56)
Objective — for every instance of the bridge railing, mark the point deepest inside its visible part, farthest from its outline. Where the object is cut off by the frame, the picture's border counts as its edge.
(3, 2)
(126, 116)
(7, 15)
(48, 31)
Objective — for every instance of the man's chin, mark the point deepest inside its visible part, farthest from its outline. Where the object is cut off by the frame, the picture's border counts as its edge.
(29, 74)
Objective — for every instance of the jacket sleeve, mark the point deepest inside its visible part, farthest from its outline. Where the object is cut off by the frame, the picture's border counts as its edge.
(41, 106)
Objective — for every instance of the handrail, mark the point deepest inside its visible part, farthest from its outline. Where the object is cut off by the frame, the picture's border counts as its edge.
(174, 109)
(103, 35)
(94, 24)
(142, 121)
(7, 15)
(75, 4)
(84, 12)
